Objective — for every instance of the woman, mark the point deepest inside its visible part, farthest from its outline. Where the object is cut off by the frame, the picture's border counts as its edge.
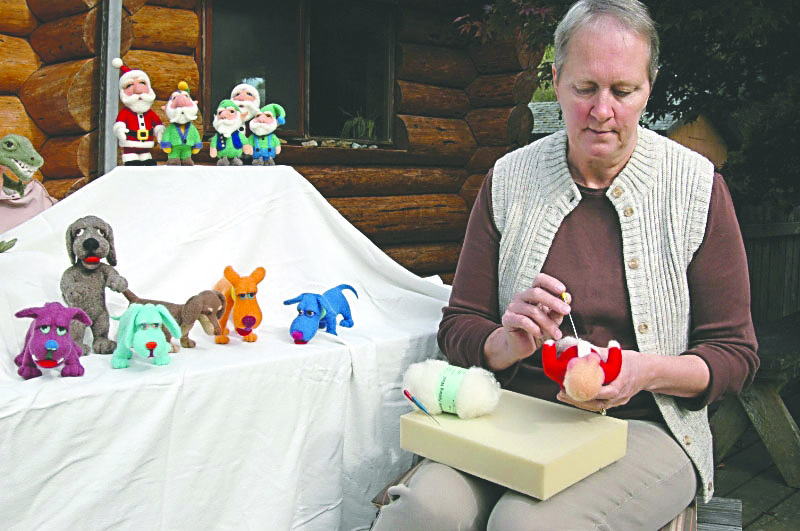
(641, 234)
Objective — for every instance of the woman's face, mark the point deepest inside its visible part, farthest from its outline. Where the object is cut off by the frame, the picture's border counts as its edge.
(603, 89)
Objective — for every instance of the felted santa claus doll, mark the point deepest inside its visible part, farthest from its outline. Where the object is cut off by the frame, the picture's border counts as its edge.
(137, 127)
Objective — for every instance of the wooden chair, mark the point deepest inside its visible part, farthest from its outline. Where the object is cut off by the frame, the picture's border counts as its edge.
(761, 405)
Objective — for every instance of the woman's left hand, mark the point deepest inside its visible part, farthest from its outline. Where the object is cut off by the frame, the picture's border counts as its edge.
(633, 377)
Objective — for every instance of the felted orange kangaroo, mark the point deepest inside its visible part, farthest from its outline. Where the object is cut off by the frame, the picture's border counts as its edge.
(240, 296)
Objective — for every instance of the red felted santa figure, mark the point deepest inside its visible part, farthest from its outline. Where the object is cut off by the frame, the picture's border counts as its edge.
(136, 127)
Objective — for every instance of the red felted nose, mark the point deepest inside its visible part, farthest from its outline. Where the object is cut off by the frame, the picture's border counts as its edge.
(151, 345)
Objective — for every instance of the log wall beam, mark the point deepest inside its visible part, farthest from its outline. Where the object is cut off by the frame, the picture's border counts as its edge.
(64, 98)
(16, 18)
(350, 181)
(499, 56)
(14, 119)
(164, 29)
(501, 126)
(502, 89)
(70, 156)
(430, 100)
(485, 157)
(60, 188)
(434, 65)
(471, 188)
(447, 139)
(47, 10)
(19, 62)
(133, 6)
(425, 258)
(75, 37)
(402, 219)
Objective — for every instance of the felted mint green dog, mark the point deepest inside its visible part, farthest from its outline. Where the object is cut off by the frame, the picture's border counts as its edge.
(140, 332)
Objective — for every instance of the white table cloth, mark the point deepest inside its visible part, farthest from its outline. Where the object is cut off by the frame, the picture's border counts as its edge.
(265, 435)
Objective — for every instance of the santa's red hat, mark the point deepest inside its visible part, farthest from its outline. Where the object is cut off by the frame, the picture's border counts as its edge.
(126, 74)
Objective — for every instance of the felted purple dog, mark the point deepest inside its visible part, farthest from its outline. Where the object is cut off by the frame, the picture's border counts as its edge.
(48, 341)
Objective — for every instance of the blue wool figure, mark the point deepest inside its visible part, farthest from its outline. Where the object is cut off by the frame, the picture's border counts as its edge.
(317, 311)
(140, 332)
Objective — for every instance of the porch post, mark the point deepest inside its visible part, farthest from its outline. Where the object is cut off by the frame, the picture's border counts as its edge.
(109, 85)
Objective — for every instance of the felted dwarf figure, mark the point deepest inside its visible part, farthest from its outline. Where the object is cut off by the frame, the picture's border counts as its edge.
(181, 139)
(265, 144)
(248, 99)
(229, 143)
(137, 126)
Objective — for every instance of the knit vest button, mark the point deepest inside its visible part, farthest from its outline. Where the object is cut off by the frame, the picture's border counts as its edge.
(634, 263)
(617, 191)
(687, 440)
(643, 328)
(628, 212)
(710, 485)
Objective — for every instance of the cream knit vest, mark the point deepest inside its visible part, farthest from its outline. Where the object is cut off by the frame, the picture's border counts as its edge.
(662, 197)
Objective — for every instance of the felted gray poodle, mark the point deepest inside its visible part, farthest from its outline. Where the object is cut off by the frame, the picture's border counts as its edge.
(83, 285)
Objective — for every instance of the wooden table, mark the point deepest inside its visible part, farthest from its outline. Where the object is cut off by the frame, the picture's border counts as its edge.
(761, 405)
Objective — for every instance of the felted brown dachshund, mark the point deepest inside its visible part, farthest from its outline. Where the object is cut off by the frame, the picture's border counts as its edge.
(206, 307)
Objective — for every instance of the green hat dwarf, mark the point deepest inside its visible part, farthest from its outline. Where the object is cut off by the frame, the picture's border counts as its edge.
(224, 104)
(277, 111)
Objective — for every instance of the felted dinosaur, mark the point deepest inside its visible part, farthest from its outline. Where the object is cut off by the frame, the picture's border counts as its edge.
(18, 162)
(21, 196)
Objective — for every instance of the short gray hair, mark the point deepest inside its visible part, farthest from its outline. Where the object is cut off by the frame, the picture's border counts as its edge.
(631, 14)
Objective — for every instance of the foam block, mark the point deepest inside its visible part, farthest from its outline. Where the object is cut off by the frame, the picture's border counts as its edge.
(529, 445)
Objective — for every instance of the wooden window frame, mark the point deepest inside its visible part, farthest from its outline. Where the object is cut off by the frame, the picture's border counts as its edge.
(203, 57)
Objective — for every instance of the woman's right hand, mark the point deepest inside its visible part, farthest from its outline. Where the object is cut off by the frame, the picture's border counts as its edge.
(531, 318)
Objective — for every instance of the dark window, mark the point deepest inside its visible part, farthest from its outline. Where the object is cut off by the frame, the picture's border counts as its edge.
(328, 63)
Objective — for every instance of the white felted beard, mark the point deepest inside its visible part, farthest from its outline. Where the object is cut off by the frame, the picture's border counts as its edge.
(262, 128)
(227, 127)
(250, 107)
(138, 103)
(181, 115)
(478, 394)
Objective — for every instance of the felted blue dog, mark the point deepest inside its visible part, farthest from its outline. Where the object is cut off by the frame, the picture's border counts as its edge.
(317, 311)
(140, 331)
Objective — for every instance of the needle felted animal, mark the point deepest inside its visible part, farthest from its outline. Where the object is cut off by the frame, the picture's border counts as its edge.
(84, 283)
(315, 311)
(206, 307)
(48, 343)
(240, 300)
(21, 196)
(140, 332)
(579, 367)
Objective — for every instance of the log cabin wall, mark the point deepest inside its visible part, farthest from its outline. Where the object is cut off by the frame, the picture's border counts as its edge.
(458, 107)
(49, 86)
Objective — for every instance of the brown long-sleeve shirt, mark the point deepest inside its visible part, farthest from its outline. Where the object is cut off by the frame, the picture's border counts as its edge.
(586, 255)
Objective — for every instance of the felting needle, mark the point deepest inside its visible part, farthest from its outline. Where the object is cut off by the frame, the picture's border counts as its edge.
(564, 298)
(419, 404)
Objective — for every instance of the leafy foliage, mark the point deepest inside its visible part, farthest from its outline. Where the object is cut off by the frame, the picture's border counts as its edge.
(735, 61)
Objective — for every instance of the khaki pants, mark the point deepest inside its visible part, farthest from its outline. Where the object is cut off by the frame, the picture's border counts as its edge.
(644, 490)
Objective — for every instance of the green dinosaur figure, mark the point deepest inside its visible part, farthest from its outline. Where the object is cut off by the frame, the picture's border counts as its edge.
(18, 162)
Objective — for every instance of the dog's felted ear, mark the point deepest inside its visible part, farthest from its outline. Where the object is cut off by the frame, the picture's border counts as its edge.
(258, 274)
(222, 304)
(81, 316)
(70, 252)
(325, 305)
(169, 321)
(292, 301)
(127, 326)
(112, 251)
(232, 276)
(29, 312)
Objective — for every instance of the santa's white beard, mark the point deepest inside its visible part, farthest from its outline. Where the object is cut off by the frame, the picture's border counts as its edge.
(226, 127)
(250, 107)
(138, 103)
(261, 128)
(181, 115)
